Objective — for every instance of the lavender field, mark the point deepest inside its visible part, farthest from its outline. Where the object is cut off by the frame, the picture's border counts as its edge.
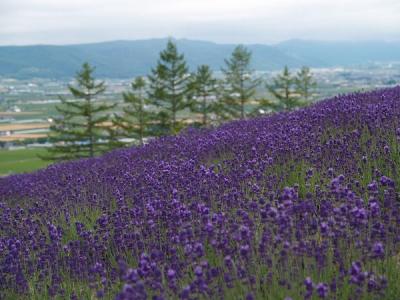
(299, 205)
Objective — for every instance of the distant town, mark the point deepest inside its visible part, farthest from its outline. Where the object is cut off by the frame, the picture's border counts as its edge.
(27, 107)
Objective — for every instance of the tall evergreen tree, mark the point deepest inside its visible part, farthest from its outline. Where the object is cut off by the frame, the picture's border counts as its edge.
(283, 89)
(239, 82)
(169, 87)
(203, 87)
(305, 83)
(135, 121)
(79, 130)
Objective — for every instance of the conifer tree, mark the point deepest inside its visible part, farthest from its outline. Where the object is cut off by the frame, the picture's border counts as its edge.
(135, 121)
(305, 83)
(283, 89)
(79, 131)
(169, 88)
(240, 86)
(204, 94)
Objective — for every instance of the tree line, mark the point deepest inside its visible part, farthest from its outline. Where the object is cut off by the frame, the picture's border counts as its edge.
(165, 101)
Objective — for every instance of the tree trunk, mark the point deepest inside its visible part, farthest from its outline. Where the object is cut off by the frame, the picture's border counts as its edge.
(204, 110)
(90, 129)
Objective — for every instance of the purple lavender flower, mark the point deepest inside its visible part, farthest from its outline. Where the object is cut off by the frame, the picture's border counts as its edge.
(322, 290)
(198, 271)
(378, 250)
(171, 273)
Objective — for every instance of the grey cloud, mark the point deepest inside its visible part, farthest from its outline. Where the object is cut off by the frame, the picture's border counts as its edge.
(72, 21)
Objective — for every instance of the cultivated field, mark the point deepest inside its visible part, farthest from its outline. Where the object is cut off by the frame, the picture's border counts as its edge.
(18, 114)
(23, 126)
(21, 160)
(19, 137)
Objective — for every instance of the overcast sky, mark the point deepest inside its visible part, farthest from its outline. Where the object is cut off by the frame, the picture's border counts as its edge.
(233, 21)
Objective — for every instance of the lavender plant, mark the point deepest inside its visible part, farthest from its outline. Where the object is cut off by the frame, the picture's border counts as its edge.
(297, 205)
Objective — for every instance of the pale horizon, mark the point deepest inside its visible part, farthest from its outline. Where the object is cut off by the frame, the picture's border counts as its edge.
(394, 41)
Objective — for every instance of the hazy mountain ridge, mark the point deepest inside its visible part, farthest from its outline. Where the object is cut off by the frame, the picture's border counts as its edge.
(122, 59)
(341, 53)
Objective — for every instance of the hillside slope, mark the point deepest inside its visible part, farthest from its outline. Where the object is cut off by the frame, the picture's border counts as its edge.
(296, 205)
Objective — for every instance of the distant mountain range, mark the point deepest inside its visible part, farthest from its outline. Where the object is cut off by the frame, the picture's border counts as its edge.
(124, 59)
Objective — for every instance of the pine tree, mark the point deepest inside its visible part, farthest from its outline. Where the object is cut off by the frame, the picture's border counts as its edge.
(240, 86)
(305, 83)
(169, 88)
(204, 94)
(79, 130)
(283, 90)
(135, 121)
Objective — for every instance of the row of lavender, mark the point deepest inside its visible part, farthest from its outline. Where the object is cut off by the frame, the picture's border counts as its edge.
(297, 205)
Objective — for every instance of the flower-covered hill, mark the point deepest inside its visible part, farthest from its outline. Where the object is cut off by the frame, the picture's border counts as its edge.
(302, 205)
